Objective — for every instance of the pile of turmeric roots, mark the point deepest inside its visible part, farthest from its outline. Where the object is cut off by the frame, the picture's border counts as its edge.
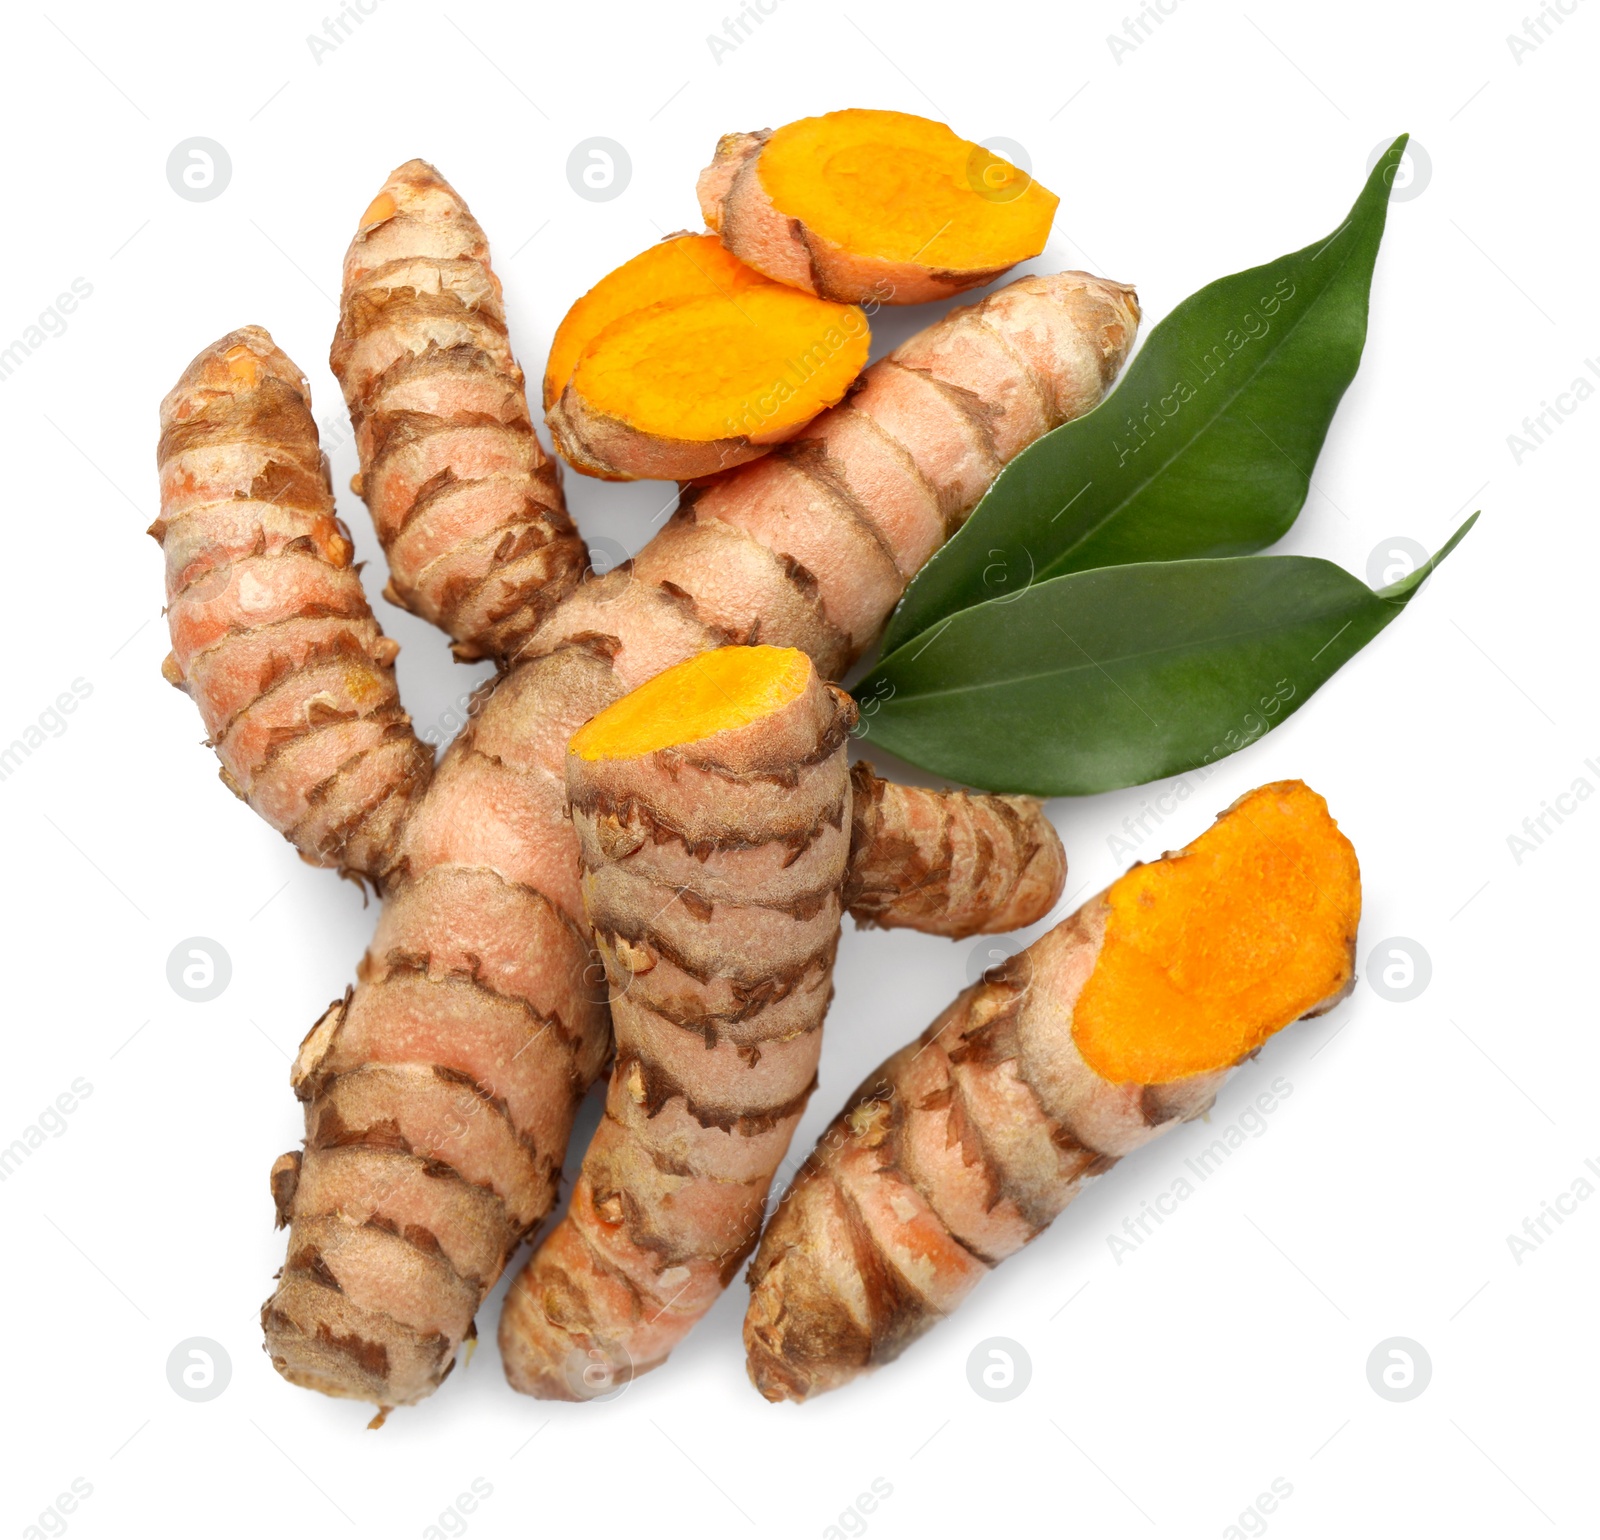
(637, 855)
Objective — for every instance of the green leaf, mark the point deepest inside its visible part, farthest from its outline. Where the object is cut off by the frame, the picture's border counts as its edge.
(1121, 675)
(1204, 449)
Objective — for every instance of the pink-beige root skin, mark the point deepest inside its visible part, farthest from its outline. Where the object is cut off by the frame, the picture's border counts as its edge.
(737, 206)
(957, 1152)
(466, 503)
(442, 1000)
(952, 863)
(813, 544)
(272, 635)
(611, 449)
(440, 1093)
(712, 877)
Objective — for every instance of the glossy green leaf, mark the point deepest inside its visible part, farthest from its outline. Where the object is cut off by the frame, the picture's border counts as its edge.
(1204, 449)
(1121, 675)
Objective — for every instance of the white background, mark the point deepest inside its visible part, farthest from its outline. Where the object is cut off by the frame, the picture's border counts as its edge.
(1169, 1387)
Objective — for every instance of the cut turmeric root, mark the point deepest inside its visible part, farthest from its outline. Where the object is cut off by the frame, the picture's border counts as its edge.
(685, 362)
(863, 205)
(1122, 1021)
(713, 808)
(680, 267)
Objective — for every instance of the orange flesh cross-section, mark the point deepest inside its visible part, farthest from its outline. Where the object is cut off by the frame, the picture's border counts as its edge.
(679, 268)
(904, 188)
(704, 695)
(1209, 952)
(686, 342)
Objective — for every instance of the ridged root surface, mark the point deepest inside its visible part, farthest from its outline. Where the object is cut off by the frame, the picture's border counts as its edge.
(467, 505)
(967, 1143)
(272, 635)
(712, 875)
(457, 1063)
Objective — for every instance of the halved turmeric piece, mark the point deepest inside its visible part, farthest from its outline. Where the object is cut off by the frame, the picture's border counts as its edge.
(863, 205)
(682, 266)
(1123, 1021)
(1211, 950)
(684, 362)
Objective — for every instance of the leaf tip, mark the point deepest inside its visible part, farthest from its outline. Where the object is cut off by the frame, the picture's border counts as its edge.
(1401, 592)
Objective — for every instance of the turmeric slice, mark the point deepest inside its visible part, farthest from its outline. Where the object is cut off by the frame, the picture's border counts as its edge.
(680, 267)
(684, 362)
(1123, 1021)
(863, 205)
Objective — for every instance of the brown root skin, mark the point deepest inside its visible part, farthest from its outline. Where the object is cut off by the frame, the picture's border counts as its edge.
(822, 534)
(703, 1100)
(712, 877)
(612, 449)
(271, 632)
(771, 232)
(457, 1062)
(966, 1144)
(466, 504)
(952, 863)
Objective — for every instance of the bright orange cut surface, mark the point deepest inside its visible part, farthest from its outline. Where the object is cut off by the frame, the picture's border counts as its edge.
(706, 694)
(1209, 952)
(681, 267)
(905, 189)
(758, 364)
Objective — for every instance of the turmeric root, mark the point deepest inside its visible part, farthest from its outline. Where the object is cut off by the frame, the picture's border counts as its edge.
(1120, 1022)
(466, 504)
(712, 808)
(948, 862)
(713, 812)
(271, 632)
(685, 362)
(863, 205)
(439, 1093)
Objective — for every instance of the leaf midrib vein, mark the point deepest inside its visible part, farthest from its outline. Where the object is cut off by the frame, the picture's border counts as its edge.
(1185, 446)
(1100, 664)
